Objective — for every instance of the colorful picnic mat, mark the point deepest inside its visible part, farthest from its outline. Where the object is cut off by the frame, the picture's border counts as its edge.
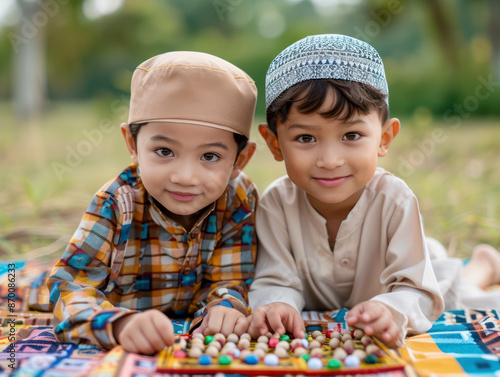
(459, 343)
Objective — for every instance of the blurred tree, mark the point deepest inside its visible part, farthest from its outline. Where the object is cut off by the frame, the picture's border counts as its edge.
(29, 46)
(494, 34)
(426, 44)
(445, 27)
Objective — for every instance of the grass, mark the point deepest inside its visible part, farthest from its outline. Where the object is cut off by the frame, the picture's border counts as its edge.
(53, 165)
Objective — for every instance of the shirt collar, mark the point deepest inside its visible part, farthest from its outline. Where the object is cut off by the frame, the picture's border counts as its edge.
(164, 221)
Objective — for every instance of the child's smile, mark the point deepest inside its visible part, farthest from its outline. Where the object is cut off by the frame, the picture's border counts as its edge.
(331, 182)
(183, 196)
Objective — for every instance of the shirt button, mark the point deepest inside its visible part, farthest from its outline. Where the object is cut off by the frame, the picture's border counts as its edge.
(186, 271)
(344, 262)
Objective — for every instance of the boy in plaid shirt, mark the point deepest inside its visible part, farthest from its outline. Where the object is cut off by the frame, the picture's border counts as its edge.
(173, 234)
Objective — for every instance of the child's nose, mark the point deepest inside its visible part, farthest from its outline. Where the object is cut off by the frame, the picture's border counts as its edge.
(330, 158)
(185, 174)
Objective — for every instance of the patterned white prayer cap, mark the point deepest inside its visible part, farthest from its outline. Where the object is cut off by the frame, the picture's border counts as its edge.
(325, 56)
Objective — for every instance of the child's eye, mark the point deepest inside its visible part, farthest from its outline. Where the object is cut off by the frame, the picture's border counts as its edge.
(164, 152)
(306, 139)
(351, 136)
(212, 157)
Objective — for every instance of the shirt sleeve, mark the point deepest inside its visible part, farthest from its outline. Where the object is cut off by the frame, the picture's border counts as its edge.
(231, 267)
(412, 293)
(277, 278)
(78, 281)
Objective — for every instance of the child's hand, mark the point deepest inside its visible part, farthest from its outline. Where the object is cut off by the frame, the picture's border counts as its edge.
(375, 319)
(276, 317)
(145, 333)
(224, 320)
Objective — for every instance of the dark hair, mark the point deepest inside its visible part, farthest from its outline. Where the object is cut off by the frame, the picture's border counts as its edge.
(350, 98)
(241, 140)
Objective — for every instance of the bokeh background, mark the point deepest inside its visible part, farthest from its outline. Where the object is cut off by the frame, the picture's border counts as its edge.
(65, 75)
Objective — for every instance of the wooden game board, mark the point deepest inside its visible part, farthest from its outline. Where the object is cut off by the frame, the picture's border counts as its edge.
(167, 363)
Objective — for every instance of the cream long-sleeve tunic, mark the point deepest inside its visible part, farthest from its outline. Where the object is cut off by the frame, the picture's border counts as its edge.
(380, 253)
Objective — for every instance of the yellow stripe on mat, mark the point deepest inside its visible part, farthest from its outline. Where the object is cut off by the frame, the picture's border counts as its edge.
(426, 357)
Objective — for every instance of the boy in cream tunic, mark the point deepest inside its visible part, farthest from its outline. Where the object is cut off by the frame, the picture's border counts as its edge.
(339, 231)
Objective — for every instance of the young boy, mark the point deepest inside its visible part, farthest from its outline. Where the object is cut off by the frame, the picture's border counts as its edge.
(338, 231)
(173, 234)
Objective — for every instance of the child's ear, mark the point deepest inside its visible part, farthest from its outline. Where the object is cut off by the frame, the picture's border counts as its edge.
(389, 132)
(271, 140)
(129, 140)
(243, 158)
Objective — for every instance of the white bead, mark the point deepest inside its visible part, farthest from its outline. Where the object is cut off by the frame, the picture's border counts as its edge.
(195, 352)
(314, 344)
(334, 343)
(246, 336)
(314, 363)
(271, 360)
(259, 352)
(281, 353)
(316, 352)
(316, 333)
(283, 344)
(212, 351)
(321, 339)
(233, 338)
(352, 361)
(358, 333)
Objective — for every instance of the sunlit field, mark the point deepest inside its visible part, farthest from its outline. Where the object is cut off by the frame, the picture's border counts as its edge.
(51, 167)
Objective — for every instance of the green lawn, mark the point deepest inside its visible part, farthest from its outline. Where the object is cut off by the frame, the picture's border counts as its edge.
(51, 167)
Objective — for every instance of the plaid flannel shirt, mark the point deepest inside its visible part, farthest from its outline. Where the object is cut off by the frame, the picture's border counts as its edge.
(126, 256)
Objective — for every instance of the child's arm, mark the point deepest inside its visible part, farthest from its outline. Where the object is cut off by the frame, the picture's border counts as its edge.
(412, 293)
(277, 289)
(82, 312)
(230, 268)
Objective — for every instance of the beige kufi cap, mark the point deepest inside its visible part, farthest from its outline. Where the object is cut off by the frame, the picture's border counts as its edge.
(195, 88)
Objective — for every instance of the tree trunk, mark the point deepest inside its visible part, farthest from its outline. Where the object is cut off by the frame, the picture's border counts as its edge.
(29, 44)
(444, 29)
(494, 34)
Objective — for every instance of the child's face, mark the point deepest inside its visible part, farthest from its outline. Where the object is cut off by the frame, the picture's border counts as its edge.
(331, 160)
(185, 167)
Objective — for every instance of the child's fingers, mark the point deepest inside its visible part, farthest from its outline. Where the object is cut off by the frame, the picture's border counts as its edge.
(259, 319)
(128, 344)
(212, 323)
(364, 312)
(299, 329)
(375, 319)
(141, 343)
(164, 328)
(382, 326)
(229, 322)
(252, 330)
(353, 317)
(275, 320)
(294, 323)
(241, 326)
(155, 338)
(390, 335)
